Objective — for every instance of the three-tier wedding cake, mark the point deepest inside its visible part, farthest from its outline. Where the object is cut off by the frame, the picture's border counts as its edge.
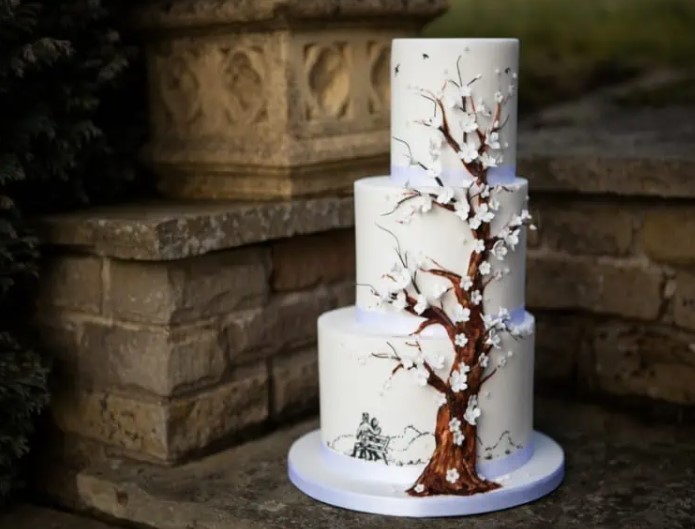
(426, 384)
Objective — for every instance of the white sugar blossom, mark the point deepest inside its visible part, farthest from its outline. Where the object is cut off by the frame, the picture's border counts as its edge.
(490, 321)
(488, 160)
(459, 438)
(400, 277)
(510, 354)
(399, 302)
(466, 282)
(484, 268)
(468, 152)
(493, 339)
(440, 400)
(462, 209)
(420, 304)
(499, 97)
(421, 375)
(499, 250)
(472, 411)
(459, 379)
(485, 191)
(479, 246)
(476, 297)
(461, 339)
(419, 488)
(493, 140)
(502, 362)
(510, 237)
(461, 314)
(424, 203)
(438, 290)
(494, 204)
(454, 425)
(434, 360)
(465, 91)
(451, 100)
(480, 107)
(445, 195)
(483, 360)
(435, 169)
(468, 122)
(482, 214)
(452, 475)
(525, 215)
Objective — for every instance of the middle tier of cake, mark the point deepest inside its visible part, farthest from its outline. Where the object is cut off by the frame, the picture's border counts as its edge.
(396, 225)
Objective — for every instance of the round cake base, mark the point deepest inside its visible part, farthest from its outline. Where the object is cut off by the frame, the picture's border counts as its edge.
(309, 472)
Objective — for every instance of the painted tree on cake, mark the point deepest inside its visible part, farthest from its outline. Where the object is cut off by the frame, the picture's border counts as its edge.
(470, 128)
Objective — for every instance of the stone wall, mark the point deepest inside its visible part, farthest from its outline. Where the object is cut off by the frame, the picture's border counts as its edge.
(178, 328)
(169, 343)
(611, 270)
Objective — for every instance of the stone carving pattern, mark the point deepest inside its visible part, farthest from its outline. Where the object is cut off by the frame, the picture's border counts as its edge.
(379, 55)
(243, 79)
(176, 88)
(202, 88)
(327, 70)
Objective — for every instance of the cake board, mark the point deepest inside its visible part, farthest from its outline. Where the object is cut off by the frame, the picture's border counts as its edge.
(314, 474)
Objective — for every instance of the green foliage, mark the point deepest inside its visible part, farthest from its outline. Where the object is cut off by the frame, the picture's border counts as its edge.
(65, 140)
(570, 47)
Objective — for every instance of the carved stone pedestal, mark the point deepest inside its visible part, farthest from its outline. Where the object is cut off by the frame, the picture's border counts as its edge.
(271, 98)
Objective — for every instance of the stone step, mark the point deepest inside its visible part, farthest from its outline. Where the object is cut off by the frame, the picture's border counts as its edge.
(33, 517)
(621, 472)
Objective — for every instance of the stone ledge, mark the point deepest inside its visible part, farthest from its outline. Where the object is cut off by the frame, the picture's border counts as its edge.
(600, 145)
(610, 456)
(175, 230)
(278, 13)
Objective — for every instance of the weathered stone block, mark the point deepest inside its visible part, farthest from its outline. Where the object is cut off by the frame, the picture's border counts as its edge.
(623, 287)
(294, 382)
(95, 353)
(643, 360)
(288, 322)
(296, 103)
(303, 262)
(558, 341)
(166, 430)
(161, 231)
(684, 300)
(72, 282)
(188, 289)
(667, 235)
(585, 228)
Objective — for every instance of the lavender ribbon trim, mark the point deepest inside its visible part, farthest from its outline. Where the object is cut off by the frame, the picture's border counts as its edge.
(379, 471)
(404, 324)
(416, 176)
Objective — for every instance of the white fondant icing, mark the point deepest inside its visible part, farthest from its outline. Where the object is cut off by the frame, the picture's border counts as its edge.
(353, 382)
(422, 68)
(435, 236)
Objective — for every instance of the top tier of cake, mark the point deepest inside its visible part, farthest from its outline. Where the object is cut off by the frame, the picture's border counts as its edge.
(465, 85)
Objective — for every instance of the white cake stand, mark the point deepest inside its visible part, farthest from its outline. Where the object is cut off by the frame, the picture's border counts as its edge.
(310, 472)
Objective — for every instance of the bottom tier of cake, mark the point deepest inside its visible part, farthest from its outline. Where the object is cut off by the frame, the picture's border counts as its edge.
(377, 406)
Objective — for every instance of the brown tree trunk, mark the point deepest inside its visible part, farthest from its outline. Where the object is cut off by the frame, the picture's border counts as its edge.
(447, 456)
